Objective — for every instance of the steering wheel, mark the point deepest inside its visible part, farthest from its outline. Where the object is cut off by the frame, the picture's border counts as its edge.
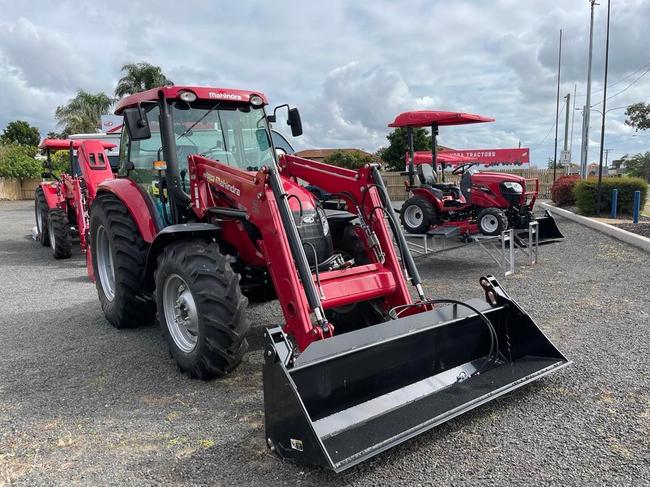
(462, 168)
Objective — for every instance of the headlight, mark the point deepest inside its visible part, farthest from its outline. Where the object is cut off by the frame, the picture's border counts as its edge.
(256, 100)
(514, 187)
(323, 220)
(187, 96)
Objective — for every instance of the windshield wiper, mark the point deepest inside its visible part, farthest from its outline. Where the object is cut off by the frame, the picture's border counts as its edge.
(199, 120)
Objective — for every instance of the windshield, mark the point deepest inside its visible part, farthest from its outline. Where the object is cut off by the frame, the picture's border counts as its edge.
(234, 135)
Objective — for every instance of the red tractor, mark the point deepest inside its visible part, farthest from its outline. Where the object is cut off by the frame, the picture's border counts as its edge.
(485, 202)
(61, 206)
(205, 212)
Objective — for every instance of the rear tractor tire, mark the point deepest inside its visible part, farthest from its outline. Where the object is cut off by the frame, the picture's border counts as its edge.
(41, 211)
(119, 255)
(417, 215)
(492, 221)
(201, 309)
(59, 234)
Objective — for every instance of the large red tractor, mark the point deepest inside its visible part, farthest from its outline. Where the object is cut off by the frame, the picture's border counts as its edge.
(204, 212)
(61, 206)
(485, 202)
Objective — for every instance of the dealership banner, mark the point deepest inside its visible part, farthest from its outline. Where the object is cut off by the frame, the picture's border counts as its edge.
(491, 157)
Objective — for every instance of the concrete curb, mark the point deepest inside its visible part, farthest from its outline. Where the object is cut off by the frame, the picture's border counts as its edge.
(638, 241)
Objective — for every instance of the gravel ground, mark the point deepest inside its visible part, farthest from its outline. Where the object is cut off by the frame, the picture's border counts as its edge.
(81, 402)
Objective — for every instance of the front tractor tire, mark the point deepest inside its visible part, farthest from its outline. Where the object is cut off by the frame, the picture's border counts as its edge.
(59, 233)
(119, 255)
(492, 221)
(41, 211)
(417, 215)
(201, 309)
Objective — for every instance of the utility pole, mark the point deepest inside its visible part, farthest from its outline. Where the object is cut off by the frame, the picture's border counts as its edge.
(585, 134)
(602, 127)
(573, 118)
(557, 104)
(566, 128)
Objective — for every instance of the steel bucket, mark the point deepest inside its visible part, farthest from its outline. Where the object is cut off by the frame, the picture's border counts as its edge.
(350, 397)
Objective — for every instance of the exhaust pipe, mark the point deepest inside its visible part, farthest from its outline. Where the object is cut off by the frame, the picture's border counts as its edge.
(353, 396)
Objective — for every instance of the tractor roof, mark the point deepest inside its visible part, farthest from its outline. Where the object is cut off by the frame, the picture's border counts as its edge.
(426, 118)
(64, 144)
(201, 92)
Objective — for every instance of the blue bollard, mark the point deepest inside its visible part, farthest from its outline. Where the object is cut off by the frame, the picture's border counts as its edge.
(636, 207)
(614, 203)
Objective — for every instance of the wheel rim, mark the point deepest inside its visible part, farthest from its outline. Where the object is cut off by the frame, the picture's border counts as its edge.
(105, 267)
(50, 230)
(489, 223)
(181, 316)
(413, 216)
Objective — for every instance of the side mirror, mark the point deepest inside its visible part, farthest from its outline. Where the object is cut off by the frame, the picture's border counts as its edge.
(294, 122)
(137, 125)
(128, 166)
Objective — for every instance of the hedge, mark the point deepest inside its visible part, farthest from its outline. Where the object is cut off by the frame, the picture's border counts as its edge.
(562, 190)
(17, 161)
(586, 194)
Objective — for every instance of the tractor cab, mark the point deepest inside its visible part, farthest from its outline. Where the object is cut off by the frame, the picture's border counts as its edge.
(165, 126)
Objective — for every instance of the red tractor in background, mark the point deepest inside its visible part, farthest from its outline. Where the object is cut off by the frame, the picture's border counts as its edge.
(484, 202)
(205, 211)
(61, 206)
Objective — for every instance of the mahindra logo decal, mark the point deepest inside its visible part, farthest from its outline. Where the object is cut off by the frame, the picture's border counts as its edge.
(224, 96)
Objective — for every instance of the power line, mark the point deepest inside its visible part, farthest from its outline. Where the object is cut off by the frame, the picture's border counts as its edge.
(547, 133)
(627, 76)
(626, 88)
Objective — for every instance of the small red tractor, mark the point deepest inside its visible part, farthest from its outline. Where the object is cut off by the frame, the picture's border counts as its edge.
(485, 202)
(205, 212)
(61, 206)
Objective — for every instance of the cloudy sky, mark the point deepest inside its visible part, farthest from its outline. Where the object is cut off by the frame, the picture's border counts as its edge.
(349, 66)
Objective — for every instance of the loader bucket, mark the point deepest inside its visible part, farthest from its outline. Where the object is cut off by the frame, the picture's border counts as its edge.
(352, 396)
(548, 230)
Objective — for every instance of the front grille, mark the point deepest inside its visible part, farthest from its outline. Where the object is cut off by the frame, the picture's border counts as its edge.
(512, 197)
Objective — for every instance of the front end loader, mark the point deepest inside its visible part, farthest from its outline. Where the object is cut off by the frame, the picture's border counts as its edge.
(207, 212)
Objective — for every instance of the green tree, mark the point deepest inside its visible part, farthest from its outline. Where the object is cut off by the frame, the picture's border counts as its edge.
(139, 77)
(83, 112)
(17, 161)
(393, 155)
(20, 132)
(638, 166)
(638, 116)
(348, 159)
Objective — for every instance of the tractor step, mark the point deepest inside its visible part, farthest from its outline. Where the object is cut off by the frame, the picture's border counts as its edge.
(445, 232)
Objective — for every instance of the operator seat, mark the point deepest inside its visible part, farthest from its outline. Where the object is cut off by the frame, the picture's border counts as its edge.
(466, 184)
(428, 178)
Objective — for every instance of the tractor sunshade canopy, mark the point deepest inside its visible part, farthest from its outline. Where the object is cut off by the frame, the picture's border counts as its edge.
(426, 118)
(63, 144)
(354, 395)
(422, 157)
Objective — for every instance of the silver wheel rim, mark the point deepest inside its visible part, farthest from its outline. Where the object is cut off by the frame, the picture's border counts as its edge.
(181, 316)
(489, 223)
(50, 230)
(413, 216)
(105, 267)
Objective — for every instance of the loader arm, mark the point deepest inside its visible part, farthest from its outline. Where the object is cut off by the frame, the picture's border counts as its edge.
(215, 185)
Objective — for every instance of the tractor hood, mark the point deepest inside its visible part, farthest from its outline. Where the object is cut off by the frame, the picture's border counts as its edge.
(497, 177)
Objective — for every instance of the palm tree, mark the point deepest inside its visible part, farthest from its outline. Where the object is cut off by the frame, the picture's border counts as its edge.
(83, 112)
(140, 77)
